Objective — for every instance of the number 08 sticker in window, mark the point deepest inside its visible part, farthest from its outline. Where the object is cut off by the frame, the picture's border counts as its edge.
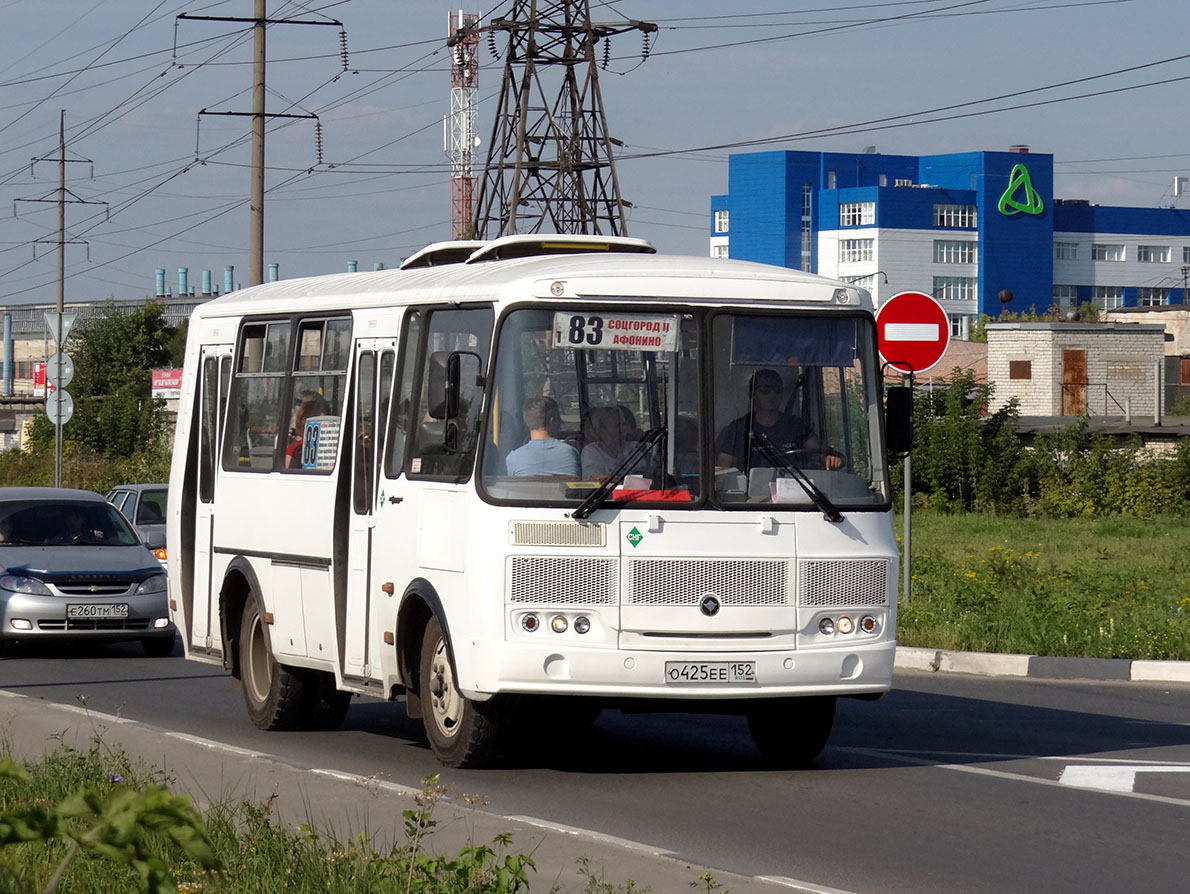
(616, 332)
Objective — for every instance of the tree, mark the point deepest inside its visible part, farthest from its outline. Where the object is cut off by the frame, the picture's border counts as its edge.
(114, 354)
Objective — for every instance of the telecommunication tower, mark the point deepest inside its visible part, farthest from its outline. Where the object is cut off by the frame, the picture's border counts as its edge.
(549, 163)
(461, 141)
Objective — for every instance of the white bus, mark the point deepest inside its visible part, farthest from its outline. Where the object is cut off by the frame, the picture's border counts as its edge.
(521, 481)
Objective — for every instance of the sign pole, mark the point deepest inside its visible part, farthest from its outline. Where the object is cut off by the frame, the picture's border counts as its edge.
(906, 571)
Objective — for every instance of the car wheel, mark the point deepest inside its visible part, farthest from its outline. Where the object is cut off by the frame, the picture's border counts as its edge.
(791, 732)
(158, 646)
(462, 733)
(273, 693)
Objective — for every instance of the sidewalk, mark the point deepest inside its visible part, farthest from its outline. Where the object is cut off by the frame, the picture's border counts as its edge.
(994, 664)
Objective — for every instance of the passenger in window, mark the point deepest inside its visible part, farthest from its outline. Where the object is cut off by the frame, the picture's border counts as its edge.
(609, 446)
(544, 454)
(766, 417)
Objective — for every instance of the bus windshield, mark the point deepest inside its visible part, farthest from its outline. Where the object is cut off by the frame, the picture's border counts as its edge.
(590, 398)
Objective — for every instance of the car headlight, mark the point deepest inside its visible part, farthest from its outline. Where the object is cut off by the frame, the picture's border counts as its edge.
(31, 586)
(154, 584)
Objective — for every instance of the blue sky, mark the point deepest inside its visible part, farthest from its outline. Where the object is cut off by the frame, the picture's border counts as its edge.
(717, 73)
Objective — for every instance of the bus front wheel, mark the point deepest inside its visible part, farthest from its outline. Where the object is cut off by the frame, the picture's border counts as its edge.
(273, 693)
(462, 733)
(791, 732)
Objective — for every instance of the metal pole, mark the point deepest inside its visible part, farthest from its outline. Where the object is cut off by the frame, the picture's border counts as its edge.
(906, 575)
(256, 198)
(61, 296)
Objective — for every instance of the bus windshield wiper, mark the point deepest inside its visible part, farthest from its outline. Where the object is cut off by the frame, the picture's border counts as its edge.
(778, 460)
(597, 496)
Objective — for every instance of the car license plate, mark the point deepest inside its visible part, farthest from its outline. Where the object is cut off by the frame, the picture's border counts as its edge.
(97, 610)
(678, 672)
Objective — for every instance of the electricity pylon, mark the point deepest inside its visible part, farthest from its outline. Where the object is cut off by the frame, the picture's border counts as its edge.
(549, 164)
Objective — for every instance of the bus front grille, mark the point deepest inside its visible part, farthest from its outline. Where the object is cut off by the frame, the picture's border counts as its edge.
(843, 582)
(686, 581)
(563, 581)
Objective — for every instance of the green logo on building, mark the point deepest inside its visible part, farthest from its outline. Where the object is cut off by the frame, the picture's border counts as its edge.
(634, 537)
(1029, 201)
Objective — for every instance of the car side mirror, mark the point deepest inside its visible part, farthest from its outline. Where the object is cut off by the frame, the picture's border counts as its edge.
(155, 540)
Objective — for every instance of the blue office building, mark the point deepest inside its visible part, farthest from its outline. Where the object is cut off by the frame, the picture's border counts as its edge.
(980, 231)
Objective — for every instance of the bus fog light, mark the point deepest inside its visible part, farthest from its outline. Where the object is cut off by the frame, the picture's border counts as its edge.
(530, 623)
(826, 626)
(844, 624)
(21, 624)
(868, 624)
(582, 624)
(158, 623)
(559, 623)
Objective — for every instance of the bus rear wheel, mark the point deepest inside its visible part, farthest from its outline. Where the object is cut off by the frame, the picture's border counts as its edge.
(273, 693)
(462, 733)
(791, 732)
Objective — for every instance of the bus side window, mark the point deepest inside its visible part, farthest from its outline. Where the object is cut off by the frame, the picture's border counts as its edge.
(256, 394)
(467, 331)
(319, 388)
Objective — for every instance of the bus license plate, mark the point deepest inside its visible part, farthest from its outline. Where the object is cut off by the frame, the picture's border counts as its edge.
(98, 610)
(710, 672)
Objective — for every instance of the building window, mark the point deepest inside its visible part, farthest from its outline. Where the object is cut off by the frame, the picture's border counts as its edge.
(960, 325)
(857, 214)
(1065, 297)
(1150, 297)
(719, 251)
(954, 288)
(1107, 251)
(721, 218)
(1065, 251)
(883, 180)
(830, 180)
(1186, 254)
(1153, 254)
(1020, 369)
(950, 251)
(807, 223)
(955, 216)
(1107, 297)
(852, 251)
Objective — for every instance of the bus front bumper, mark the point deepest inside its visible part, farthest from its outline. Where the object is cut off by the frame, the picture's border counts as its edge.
(504, 667)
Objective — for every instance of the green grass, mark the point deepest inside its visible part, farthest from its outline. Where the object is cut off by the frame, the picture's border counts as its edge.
(1112, 587)
(141, 838)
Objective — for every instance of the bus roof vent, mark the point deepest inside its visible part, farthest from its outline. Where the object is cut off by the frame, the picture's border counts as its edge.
(443, 253)
(528, 246)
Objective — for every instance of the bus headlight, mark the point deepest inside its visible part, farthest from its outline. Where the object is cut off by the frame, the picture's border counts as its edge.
(844, 624)
(826, 627)
(868, 624)
(582, 624)
(558, 623)
(530, 623)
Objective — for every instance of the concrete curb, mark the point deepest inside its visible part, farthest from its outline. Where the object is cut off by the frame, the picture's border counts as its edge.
(1041, 666)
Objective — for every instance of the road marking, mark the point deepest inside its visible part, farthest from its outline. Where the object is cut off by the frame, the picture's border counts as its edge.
(1111, 779)
(798, 885)
(95, 715)
(367, 781)
(588, 833)
(219, 746)
(1001, 774)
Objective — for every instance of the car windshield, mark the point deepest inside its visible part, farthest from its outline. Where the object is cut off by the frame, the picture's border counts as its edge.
(66, 523)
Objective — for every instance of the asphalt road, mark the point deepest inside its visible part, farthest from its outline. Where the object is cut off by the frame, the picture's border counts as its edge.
(951, 782)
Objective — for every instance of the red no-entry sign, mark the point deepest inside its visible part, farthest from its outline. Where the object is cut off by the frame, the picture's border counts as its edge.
(912, 331)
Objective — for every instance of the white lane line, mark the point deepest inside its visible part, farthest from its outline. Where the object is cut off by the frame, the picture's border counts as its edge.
(219, 746)
(587, 833)
(1111, 779)
(367, 781)
(798, 885)
(1001, 774)
(6, 694)
(94, 715)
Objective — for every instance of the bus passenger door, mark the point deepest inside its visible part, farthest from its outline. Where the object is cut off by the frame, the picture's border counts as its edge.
(375, 359)
(215, 379)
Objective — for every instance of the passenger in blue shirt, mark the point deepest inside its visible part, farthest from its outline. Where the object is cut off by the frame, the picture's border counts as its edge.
(544, 454)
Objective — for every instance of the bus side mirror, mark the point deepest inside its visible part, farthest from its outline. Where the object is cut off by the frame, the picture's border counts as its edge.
(448, 370)
(898, 418)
